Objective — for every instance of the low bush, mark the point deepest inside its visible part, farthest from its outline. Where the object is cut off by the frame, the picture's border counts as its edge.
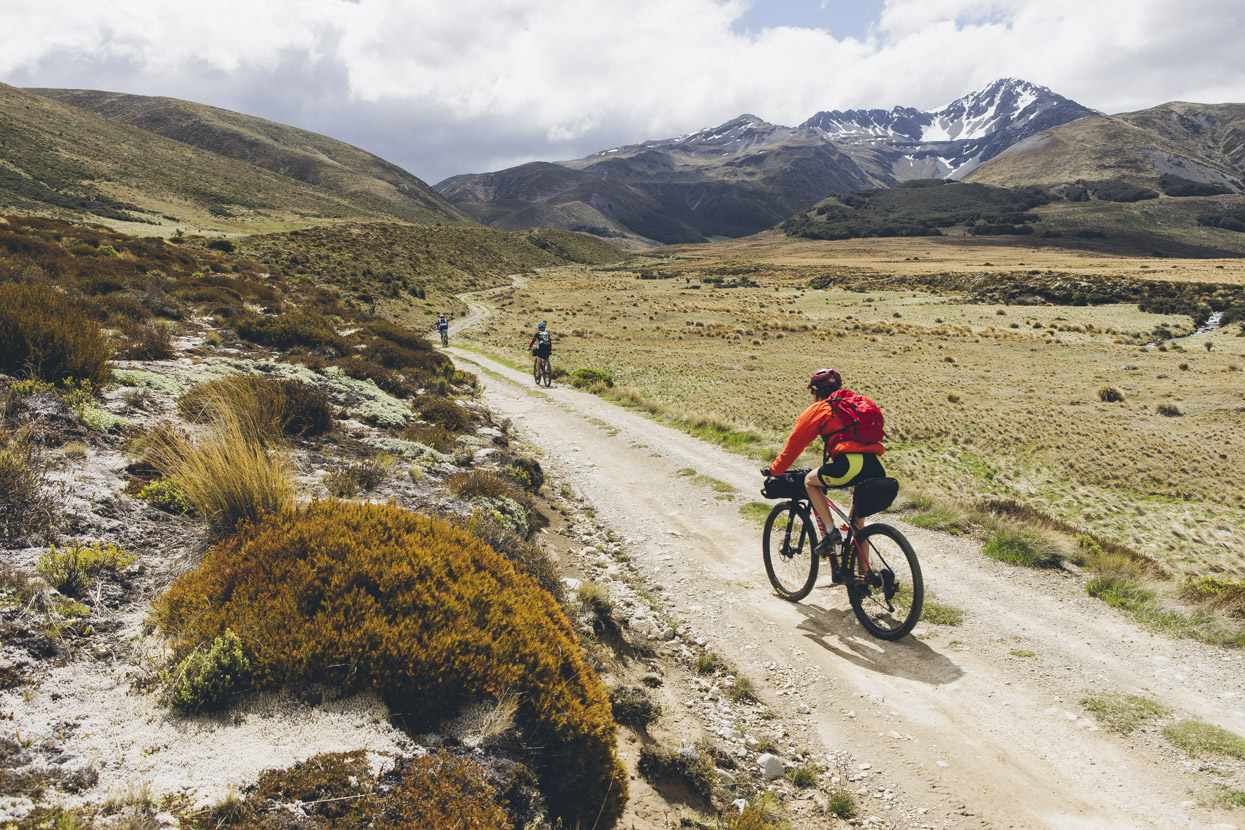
(1214, 592)
(687, 766)
(71, 568)
(442, 791)
(45, 336)
(348, 480)
(360, 596)
(27, 507)
(207, 678)
(506, 542)
(163, 494)
(587, 377)
(1169, 410)
(288, 331)
(1118, 190)
(430, 435)
(442, 412)
(153, 341)
(1110, 394)
(634, 706)
(762, 813)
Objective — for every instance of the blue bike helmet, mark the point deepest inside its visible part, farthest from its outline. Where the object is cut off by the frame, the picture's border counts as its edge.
(541, 326)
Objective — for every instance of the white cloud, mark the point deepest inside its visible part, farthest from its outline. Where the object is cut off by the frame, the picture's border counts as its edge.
(443, 88)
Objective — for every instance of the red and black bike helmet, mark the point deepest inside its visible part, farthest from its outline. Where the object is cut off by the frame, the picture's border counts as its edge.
(825, 380)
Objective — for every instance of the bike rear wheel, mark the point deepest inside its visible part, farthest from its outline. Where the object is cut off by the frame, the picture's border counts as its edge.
(787, 547)
(887, 599)
(546, 372)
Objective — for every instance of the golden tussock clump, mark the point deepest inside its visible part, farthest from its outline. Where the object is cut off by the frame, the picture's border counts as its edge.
(375, 596)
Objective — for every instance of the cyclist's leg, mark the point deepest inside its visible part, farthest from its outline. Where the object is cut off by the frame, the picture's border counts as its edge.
(870, 466)
(817, 497)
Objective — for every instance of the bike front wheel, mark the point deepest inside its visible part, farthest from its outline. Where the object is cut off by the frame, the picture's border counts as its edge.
(536, 371)
(888, 597)
(787, 547)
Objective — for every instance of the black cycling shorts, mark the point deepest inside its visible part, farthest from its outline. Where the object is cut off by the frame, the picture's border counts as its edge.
(543, 351)
(850, 468)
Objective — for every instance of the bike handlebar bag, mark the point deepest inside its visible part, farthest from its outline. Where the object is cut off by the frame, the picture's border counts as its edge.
(789, 485)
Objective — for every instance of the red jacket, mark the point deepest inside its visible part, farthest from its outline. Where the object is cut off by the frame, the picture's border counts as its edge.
(818, 420)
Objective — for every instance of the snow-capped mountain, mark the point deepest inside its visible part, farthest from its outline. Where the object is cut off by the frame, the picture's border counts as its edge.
(747, 174)
(949, 142)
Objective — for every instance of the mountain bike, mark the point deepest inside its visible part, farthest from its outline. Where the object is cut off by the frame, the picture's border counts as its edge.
(876, 564)
(542, 372)
(445, 337)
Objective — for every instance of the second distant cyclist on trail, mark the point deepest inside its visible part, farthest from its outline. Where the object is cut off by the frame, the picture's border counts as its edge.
(541, 346)
(443, 326)
(848, 459)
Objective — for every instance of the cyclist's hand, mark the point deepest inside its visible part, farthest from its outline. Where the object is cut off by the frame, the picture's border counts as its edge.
(765, 472)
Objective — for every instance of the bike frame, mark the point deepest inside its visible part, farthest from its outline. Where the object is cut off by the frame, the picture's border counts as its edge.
(848, 545)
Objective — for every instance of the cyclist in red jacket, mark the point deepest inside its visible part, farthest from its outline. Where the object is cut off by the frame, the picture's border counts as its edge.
(845, 462)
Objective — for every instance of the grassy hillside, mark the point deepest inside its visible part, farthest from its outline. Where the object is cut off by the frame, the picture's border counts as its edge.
(1108, 215)
(371, 183)
(1198, 142)
(67, 162)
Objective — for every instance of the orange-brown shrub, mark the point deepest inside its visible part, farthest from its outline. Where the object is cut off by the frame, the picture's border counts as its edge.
(373, 595)
(44, 335)
(441, 791)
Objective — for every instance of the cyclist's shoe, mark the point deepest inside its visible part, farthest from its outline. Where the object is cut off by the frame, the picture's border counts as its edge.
(829, 542)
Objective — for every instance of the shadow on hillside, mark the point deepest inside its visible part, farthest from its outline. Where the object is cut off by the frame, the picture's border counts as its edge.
(837, 631)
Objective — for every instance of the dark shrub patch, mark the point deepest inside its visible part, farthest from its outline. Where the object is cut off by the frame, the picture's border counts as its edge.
(1117, 190)
(442, 412)
(288, 331)
(1173, 185)
(42, 334)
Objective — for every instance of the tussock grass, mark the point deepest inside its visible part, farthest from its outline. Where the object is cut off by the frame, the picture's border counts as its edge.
(27, 504)
(1124, 713)
(267, 409)
(757, 511)
(762, 813)
(1023, 546)
(227, 474)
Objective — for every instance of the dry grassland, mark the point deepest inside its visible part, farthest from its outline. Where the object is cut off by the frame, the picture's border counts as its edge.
(982, 400)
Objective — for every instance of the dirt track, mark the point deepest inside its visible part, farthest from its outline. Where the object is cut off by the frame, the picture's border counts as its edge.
(961, 731)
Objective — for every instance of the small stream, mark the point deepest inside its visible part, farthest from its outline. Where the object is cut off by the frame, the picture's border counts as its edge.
(1212, 323)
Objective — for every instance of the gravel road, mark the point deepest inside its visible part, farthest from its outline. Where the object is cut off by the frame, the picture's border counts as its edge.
(975, 725)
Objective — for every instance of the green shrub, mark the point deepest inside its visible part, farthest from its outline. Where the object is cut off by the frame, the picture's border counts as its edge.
(1117, 190)
(26, 506)
(44, 336)
(1173, 185)
(687, 766)
(1214, 592)
(762, 813)
(1021, 546)
(70, 569)
(163, 494)
(443, 413)
(207, 678)
(803, 776)
(362, 596)
(587, 377)
(288, 331)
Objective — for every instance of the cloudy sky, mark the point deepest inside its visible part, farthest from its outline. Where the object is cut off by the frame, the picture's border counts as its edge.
(469, 86)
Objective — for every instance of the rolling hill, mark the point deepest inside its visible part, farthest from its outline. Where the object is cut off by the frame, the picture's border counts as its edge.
(136, 162)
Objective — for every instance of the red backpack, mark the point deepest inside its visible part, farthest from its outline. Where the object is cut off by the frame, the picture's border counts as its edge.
(862, 420)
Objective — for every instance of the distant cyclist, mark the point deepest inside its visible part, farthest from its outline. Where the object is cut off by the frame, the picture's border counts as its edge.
(541, 345)
(443, 326)
(845, 462)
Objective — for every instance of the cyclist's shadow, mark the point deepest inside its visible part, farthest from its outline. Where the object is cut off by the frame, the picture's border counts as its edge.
(838, 632)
